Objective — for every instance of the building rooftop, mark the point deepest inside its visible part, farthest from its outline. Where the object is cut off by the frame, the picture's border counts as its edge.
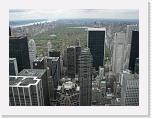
(65, 79)
(53, 58)
(103, 82)
(22, 81)
(133, 27)
(78, 88)
(130, 76)
(32, 72)
(14, 80)
(68, 85)
(11, 60)
(39, 59)
(118, 99)
(96, 29)
(109, 95)
(71, 46)
(28, 81)
(17, 37)
(59, 88)
(95, 89)
(52, 35)
(53, 50)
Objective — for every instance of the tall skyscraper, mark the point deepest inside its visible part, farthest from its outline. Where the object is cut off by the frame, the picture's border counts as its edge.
(54, 64)
(73, 53)
(130, 29)
(71, 62)
(85, 77)
(132, 46)
(32, 51)
(65, 58)
(40, 74)
(25, 91)
(13, 70)
(134, 53)
(18, 48)
(77, 53)
(126, 56)
(129, 89)
(96, 42)
(118, 52)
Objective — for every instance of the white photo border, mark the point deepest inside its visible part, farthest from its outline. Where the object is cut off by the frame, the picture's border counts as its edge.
(141, 5)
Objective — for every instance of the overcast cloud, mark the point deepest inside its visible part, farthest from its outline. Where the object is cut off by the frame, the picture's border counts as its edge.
(54, 14)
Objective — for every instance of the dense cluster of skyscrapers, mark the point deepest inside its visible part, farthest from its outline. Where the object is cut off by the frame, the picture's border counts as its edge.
(81, 77)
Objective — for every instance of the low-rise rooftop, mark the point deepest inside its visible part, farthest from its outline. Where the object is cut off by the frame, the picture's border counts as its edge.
(32, 72)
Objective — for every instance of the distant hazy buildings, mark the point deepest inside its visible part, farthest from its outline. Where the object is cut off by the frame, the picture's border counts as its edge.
(118, 52)
(129, 89)
(18, 48)
(40, 74)
(96, 42)
(85, 77)
(49, 46)
(32, 51)
(25, 91)
(13, 70)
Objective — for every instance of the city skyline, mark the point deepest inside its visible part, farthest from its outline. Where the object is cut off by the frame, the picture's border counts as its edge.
(85, 62)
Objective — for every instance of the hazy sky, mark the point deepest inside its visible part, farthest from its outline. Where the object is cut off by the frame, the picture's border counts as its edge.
(54, 14)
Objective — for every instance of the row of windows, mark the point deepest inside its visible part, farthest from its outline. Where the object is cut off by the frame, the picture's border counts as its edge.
(131, 100)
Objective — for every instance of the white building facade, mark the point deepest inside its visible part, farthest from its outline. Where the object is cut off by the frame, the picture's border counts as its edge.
(32, 51)
(118, 52)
